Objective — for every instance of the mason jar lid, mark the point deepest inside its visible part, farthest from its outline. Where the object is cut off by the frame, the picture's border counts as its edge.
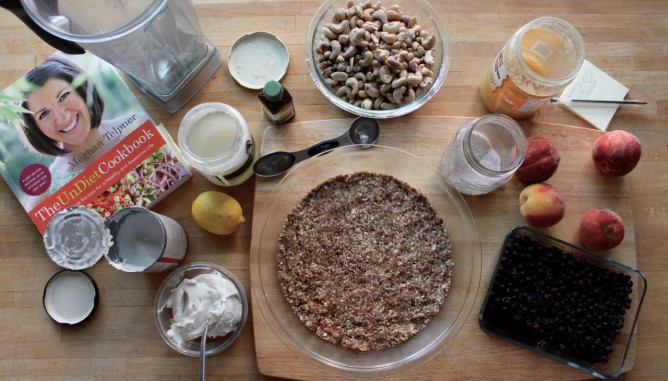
(70, 297)
(76, 238)
(256, 58)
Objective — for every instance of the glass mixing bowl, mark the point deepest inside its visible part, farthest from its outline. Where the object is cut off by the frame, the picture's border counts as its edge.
(448, 204)
(427, 18)
(163, 315)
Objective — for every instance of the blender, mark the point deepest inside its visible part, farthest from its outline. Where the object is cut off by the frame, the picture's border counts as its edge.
(157, 44)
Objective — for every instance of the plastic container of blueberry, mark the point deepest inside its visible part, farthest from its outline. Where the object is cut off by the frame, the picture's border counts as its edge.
(564, 302)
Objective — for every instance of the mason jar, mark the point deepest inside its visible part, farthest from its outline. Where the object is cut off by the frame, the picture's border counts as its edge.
(536, 63)
(215, 140)
(484, 154)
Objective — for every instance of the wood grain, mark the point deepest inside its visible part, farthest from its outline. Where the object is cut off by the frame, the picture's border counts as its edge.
(627, 39)
(495, 213)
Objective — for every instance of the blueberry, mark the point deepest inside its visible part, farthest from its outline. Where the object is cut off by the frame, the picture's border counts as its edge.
(559, 302)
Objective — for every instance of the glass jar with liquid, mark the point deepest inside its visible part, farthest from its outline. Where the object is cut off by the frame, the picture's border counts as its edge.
(536, 63)
(215, 140)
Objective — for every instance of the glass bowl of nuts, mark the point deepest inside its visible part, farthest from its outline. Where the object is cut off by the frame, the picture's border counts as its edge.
(564, 302)
(352, 272)
(379, 59)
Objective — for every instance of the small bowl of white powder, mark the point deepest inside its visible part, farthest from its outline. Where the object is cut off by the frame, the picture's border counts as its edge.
(194, 294)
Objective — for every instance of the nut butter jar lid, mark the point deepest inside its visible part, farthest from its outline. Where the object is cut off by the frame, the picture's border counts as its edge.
(257, 58)
(76, 238)
(70, 297)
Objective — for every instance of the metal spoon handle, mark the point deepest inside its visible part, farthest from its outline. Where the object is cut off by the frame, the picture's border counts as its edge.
(202, 352)
(362, 131)
(321, 147)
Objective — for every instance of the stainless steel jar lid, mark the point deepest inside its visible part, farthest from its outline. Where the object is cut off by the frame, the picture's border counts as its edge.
(76, 238)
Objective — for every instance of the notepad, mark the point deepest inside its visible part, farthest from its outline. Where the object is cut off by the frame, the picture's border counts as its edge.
(593, 83)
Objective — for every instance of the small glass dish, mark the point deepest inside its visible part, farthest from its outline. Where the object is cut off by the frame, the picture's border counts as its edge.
(561, 301)
(448, 204)
(429, 21)
(163, 315)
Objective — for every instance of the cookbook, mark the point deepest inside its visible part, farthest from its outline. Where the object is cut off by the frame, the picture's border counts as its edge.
(73, 133)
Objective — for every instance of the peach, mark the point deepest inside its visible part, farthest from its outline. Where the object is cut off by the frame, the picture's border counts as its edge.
(540, 162)
(541, 205)
(601, 229)
(616, 153)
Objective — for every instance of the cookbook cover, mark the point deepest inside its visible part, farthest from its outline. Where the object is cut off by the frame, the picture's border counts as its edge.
(73, 133)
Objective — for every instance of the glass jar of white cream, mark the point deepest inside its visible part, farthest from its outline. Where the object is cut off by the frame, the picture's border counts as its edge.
(216, 141)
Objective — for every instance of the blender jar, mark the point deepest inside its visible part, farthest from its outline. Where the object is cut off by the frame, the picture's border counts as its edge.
(158, 44)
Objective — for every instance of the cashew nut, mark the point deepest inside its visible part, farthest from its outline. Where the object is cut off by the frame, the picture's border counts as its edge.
(392, 27)
(328, 33)
(336, 50)
(351, 50)
(337, 28)
(388, 37)
(339, 76)
(366, 61)
(353, 84)
(393, 15)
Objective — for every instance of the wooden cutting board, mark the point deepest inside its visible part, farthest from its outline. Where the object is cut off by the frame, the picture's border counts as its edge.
(472, 355)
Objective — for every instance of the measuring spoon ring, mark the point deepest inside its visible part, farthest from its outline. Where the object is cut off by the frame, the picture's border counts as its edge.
(362, 131)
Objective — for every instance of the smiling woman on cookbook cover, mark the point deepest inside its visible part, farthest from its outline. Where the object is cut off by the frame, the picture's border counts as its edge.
(72, 132)
(67, 118)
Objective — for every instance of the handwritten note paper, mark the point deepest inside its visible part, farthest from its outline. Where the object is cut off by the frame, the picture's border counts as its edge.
(593, 83)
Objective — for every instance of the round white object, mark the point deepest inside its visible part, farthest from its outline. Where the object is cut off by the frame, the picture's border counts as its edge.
(70, 297)
(257, 58)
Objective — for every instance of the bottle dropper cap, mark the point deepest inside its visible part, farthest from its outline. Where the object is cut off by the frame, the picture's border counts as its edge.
(272, 89)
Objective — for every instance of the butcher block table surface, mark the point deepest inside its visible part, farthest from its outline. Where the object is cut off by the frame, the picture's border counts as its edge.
(626, 39)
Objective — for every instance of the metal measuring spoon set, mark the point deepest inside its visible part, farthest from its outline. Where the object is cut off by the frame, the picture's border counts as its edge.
(364, 131)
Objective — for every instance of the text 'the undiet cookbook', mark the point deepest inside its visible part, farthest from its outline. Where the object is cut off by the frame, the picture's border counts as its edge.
(73, 133)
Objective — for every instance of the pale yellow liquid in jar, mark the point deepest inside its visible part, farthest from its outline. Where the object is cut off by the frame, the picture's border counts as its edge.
(212, 135)
(535, 65)
(537, 44)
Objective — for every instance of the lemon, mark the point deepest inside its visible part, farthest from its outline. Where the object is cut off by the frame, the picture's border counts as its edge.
(217, 212)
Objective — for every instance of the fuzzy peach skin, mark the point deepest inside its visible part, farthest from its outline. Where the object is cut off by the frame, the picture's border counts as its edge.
(616, 153)
(601, 229)
(540, 162)
(541, 205)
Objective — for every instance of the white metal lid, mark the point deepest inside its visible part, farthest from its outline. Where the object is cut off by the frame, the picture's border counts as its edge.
(257, 58)
(70, 297)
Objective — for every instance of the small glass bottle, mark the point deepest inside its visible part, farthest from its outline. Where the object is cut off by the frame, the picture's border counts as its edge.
(484, 154)
(536, 63)
(276, 102)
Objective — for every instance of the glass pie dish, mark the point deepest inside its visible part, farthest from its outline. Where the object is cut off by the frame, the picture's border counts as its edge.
(564, 302)
(458, 222)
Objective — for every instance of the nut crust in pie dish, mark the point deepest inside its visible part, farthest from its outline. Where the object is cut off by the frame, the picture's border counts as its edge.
(364, 261)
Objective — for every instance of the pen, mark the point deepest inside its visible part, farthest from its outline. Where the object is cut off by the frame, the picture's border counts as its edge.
(600, 101)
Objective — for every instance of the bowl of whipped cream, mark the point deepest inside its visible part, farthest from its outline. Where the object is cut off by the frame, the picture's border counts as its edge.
(195, 295)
